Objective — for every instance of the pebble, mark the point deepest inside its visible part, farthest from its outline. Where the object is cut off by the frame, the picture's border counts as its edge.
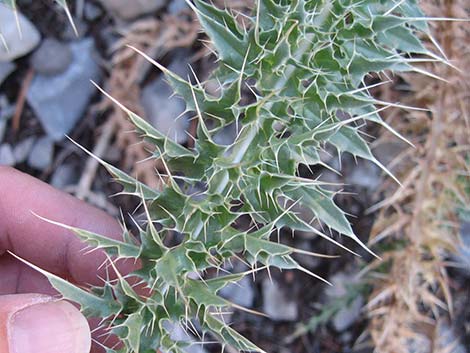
(3, 127)
(176, 6)
(419, 344)
(6, 155)
(6, 68)
(347, 315)
(52, 57)
(178, 334)
(92, 12)
(60, 101)
(365, 174)
(385, 152)
(69, 33)
(163, 109)
(463, 255)
(226, 136)
(42, 153)
(128, 10)
(240, 293)
(23, 148)
(17, 45)
(64, 176)
(276, 304)
(447, 340)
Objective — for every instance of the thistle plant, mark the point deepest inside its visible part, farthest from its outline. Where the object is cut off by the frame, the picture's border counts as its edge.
(305, 63)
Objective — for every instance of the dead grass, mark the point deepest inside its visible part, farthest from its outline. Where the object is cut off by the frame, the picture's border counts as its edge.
(418, 222)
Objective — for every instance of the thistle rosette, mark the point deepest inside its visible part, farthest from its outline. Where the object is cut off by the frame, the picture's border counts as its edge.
(305, 63)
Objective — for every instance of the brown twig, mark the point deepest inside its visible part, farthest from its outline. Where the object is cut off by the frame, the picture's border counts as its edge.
(21, 100)
(91, 166)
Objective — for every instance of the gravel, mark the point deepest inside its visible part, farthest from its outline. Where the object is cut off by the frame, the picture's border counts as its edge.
(276, 304)
(60, 101)
(18, 43)
(6, 155)
(52, 57)
(42, 153)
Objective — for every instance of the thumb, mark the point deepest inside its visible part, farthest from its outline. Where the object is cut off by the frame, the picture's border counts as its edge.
(36, 323)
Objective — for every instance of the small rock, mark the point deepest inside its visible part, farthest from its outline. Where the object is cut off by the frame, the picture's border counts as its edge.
(59, 101)
(307, 260)
(42, 153)
(22, 149)
(109, 36)
(163, 109)
(178, 334)
(240, 293)
(177, 6)
(52, 57)
(7, 110)
(275, 303)
(17, 43)
(365, 174)
(64, 176)
(447, 341)
(69, 33)
(385, 152)
(463, 255)
(419, 344)
(3, 127)
(347, 315)
(332, 180)
(6, 68)
(6, 155)
(226, 136)
(128, 10)
(92, 12)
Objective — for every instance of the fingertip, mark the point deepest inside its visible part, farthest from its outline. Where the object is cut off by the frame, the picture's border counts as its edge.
(42, 324)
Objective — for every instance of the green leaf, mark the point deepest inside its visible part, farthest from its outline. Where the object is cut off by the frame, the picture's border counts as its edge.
(230, 46)
(112, 246)
(321, 203)
(91, 304)
(133, 324)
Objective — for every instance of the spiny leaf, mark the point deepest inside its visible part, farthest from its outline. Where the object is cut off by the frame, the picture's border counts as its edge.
(91, 304)
(305, 63)
(112, 247)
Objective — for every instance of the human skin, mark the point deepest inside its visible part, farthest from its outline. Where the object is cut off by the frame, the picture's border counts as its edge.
(33, 318)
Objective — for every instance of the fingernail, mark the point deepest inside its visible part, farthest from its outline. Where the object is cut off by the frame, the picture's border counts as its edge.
(52, 327)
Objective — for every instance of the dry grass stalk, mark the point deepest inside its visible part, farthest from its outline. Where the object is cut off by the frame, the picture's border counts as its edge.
(419, 221)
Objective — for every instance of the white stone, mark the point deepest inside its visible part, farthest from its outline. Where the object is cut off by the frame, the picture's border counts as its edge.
(347, 315)
(60, 101)
(240, 293)
(42, 153)
(52, 57)
(23, 148)
(19, 41)
(3, 127)
(6, 155)
(64, 176)
(162, 108)
(276, 304)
